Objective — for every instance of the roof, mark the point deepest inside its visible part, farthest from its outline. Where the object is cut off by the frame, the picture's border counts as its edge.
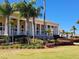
(47, 22)
(38, 20)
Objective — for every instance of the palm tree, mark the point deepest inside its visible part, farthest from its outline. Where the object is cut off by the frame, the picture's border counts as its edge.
(24, 8)
(78, 22)
(35, 12)
(6, 10)
(67, 34)
(73, 29)
(48, 32)
(44, 15)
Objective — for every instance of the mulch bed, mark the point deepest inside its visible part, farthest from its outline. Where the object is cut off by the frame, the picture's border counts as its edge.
(60, 42)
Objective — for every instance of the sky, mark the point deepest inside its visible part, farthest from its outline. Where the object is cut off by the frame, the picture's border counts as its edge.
(63, 12)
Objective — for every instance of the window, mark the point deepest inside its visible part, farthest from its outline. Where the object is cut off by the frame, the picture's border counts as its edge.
(0, 26)
(38, 27)
(22, 26)
(52, 26)
(48, 26)
(38, 32)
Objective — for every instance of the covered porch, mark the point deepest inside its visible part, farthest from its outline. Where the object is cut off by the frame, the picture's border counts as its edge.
(16, 26)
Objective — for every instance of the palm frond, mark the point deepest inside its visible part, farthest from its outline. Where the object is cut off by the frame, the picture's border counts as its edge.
(77, 22)
(2, 11)
(5, 8)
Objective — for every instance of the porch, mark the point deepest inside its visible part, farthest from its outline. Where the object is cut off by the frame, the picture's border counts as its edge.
(19, 27)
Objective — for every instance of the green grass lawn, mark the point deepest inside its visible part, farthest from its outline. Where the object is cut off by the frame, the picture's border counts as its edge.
(63, 52)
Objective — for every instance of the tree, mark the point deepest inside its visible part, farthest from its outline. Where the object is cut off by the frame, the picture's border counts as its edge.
(78, 22)
(24, 8)
(48, 32)
(68, 34)
(44, 15)
(12, 29)
(35, 12)
(6, 10)
(73, 29)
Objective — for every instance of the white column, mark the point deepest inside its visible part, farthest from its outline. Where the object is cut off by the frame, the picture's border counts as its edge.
(32, 28)
(55, 31)
(35, 29)
(18, 27)
(6, 27)
(10, 28)
(25, 27)
(51, 30)
(47, 29)
(40, 29)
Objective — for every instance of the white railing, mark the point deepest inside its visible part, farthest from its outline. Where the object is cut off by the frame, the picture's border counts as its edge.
(22, 33)
(14, 32)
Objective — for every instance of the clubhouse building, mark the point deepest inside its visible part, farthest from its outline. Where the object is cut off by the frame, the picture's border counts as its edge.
(18, 26)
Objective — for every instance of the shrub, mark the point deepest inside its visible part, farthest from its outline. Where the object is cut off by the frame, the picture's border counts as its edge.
(11, 47)
(38, 46)
(30, 46)
(36, 41)
(4, 47)
(23, 47)
(51, 41)
(35, 46)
